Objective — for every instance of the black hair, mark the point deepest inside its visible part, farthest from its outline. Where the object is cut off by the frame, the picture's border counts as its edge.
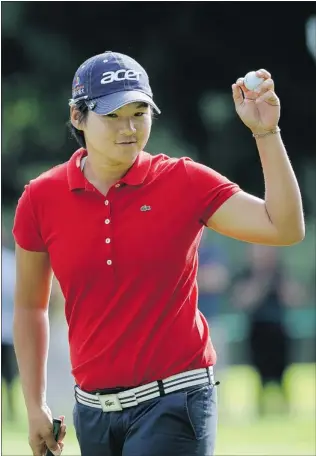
(78, 135)
(83, 109)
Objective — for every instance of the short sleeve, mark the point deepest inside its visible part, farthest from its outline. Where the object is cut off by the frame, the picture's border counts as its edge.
(211, 189)
(26, 229)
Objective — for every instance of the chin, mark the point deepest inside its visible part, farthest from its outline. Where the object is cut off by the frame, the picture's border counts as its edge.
(129, 152)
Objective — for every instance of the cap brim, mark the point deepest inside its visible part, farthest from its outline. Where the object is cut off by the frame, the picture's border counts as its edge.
(109, 103)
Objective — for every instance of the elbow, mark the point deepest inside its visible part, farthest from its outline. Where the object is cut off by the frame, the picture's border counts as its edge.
(300, 233)
(295, 240)
(295, 236)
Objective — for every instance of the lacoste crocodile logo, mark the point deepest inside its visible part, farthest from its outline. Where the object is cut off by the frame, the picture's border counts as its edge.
(108, 403)
(145, 208)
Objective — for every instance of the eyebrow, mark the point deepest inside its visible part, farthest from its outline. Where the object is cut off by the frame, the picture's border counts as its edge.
(142, 105)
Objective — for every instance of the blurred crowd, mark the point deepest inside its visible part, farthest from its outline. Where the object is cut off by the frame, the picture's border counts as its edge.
(260, 289)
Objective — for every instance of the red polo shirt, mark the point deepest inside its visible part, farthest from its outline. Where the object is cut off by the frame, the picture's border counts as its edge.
(127, 264)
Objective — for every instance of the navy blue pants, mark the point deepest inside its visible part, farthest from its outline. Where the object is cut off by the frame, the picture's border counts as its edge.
(182, 423)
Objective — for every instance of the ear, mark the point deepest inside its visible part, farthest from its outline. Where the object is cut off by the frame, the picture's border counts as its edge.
(74, 117)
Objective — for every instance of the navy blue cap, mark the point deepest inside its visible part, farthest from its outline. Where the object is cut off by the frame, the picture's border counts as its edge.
(108, 81)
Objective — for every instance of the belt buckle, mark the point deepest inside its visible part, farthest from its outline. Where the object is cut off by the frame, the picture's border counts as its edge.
(110, 402)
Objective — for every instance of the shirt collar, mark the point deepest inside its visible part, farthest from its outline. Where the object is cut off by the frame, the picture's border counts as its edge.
(138, 172)
(76, 179)
(136, 175)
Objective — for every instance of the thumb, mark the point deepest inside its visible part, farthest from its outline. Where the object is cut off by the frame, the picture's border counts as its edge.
(237, 95)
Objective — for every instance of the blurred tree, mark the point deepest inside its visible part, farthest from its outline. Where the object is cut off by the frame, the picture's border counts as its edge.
(192, 51)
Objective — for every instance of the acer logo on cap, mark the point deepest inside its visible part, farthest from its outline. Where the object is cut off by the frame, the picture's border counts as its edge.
(108, 81)
(120, 75)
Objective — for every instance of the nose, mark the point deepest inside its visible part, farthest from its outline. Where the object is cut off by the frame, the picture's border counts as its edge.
(127, 127)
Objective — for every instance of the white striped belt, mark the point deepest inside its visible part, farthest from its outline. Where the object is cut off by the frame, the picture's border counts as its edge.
(135, 396)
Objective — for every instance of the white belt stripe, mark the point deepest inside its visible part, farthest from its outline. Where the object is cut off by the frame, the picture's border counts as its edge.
(86, 399)
(194, 372)
(186, 385)
(187, 379)
(151, 390)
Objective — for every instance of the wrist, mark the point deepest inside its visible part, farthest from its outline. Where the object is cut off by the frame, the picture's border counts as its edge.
(34, 405)
(37, 410)
(257, 134)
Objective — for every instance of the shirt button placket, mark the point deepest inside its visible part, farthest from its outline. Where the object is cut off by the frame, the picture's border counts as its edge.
(107, 222)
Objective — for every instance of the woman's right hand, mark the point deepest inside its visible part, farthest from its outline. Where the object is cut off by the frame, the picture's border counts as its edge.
(41, 435)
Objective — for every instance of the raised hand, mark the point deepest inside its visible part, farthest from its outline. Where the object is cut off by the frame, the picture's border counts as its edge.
(258, 109)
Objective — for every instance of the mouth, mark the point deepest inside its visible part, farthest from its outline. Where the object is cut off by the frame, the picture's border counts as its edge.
(126, 143)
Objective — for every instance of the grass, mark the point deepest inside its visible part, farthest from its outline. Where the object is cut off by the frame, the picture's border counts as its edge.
(240, 432)
(279, 436)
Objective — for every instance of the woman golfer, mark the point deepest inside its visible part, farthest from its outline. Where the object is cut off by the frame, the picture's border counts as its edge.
(120, 230)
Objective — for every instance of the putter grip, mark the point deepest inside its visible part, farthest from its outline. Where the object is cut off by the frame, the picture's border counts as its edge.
(56, 430)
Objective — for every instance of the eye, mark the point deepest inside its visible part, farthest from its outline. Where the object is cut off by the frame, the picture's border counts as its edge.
(112, 115)
(139, 114)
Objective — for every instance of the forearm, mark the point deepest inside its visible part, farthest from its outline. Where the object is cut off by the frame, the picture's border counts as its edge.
(31, 336)
(282, 193)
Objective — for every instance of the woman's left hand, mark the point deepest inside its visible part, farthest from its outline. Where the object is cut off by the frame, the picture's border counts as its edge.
(260, 109)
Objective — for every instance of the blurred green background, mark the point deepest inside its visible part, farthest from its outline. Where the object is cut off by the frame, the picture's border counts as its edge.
(193, 53)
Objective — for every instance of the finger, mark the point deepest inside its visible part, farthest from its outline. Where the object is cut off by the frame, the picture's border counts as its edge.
(237, 95)
(38, 449)
(262, 73)
(247, 93)
(51, 444)
(240, 84)
(63, 428)
(59, 451)
(39, 452)
(56, 452)
(62, 432)
(269, 97)
(267, 85)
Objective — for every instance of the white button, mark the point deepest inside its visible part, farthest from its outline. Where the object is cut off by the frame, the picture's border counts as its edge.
(106, 202)
(117, 185)
(108, 240)
(109, 262)
(107, 221)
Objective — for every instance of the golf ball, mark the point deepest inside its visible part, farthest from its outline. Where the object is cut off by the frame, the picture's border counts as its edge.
(251, 81)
